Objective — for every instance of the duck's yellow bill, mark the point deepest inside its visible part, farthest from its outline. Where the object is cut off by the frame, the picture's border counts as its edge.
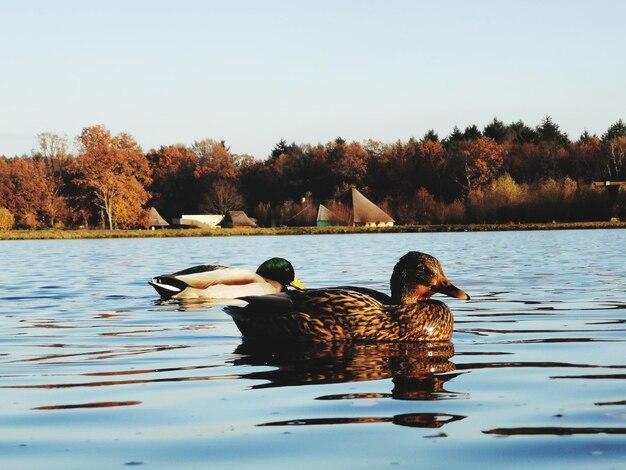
(297, 284)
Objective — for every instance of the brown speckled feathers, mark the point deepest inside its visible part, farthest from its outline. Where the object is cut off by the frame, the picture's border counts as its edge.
(339, 315)
(355, 314)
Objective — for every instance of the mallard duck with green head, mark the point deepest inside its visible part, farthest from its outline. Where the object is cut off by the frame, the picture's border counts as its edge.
(221, 282)
(354, 313)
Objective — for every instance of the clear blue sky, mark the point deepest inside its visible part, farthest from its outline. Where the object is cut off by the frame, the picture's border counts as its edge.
(253, 72)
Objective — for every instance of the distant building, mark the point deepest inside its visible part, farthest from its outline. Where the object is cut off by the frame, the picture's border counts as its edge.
(199, 220)
(237, 219)
(326, 217)
(609, 183)
(365, 212)
(156, 220)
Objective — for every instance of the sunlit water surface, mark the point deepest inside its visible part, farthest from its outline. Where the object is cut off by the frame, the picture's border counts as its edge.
(96, 372)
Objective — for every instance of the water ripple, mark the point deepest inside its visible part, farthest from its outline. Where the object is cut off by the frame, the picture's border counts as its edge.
(94, 366)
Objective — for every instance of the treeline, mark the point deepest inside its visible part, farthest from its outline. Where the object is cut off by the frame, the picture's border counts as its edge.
(502, 173)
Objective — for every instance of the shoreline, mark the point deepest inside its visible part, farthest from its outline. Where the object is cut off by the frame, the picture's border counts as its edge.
(58, 234)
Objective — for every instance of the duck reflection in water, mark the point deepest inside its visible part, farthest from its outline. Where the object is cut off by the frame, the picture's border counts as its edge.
(418, 372)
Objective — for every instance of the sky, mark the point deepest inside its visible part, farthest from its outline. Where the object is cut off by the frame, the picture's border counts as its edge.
(255, 72)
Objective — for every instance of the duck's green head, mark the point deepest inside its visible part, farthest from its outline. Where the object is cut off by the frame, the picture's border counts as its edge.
(418, 276)
(280, 270)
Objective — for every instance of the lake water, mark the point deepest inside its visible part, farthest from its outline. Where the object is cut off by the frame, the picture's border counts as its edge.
(96, 372)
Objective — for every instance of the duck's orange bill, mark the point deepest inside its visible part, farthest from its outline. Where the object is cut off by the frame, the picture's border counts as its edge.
(297, 284)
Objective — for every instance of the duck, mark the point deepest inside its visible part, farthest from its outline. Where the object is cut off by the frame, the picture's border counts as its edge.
(222, 282)
(356, 314)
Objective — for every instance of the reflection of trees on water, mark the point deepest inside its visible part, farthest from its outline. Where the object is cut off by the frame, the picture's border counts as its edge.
(418, 372)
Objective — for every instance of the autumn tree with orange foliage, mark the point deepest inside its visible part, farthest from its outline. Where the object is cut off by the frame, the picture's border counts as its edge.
(32, 187)
(53, 152)
(586, 158)
(6, 219)
(480, 162)
(22, 190)
(114, 170)
(349, 167)
(215, 160)
(391, 171)
(173, 187)
(432, 164)
(217, 175)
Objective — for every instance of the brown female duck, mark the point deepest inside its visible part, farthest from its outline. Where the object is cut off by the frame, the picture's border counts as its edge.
(356, 314)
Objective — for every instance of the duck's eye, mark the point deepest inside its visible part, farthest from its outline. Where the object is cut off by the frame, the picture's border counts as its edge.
(422, 269)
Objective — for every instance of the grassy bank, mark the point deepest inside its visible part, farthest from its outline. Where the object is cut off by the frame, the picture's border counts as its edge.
(77, 234)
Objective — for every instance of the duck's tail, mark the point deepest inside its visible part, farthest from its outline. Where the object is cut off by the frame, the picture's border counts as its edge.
(167, 287)
(232, 310)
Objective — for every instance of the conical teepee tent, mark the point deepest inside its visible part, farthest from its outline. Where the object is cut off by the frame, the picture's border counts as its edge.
(326, 217)
(365, 212)
(156, 220)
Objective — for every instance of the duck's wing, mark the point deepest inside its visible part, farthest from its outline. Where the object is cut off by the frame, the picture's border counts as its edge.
(168, 285)
(379, 296)
(203, 277)
(332, 301)
(198, 269)
(275, 303)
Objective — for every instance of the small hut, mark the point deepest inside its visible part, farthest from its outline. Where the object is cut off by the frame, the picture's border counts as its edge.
(237, 219)
(326, 217)
(365, 212)
(155, 219)
(199, 220)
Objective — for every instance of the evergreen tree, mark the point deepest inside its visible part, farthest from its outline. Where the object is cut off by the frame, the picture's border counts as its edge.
(455, 137)
(281, 148)
(431, 135)
(549, 131)
(496, 130)
(520, 133)
(616, 130)
(472, 133)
